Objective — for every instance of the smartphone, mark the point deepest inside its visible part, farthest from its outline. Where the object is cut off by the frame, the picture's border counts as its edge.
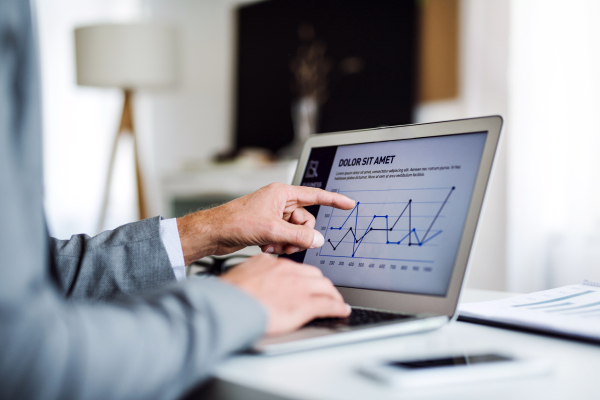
(454, 369)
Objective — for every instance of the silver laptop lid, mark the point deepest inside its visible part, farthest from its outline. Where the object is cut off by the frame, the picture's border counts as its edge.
(419, 190)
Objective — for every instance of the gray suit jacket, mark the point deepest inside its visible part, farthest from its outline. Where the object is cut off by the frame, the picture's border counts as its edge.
(94, 317)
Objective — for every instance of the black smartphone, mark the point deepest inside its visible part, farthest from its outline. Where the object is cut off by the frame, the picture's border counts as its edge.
(451, 369)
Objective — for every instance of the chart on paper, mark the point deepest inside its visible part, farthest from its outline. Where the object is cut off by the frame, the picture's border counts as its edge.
(572, 310)
(391, 224)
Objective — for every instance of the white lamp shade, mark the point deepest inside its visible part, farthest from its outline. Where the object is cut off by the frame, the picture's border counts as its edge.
(129, 56)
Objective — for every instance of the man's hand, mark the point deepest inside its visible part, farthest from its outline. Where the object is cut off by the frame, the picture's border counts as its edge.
(272, 217)
(292, 293)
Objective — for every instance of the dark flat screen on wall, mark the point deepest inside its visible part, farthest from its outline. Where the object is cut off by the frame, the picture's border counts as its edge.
(351, 64)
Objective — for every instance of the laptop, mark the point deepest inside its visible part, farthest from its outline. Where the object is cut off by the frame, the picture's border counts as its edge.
(400, 256)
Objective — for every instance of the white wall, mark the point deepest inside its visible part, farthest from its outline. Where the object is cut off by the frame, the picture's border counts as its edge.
(79, 123)
(554, 225)
(483, 91)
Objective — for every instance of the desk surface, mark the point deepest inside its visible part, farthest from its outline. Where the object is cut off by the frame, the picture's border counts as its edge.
(330, 373)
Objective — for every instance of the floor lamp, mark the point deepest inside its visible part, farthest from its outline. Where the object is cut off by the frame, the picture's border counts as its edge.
(130, 57)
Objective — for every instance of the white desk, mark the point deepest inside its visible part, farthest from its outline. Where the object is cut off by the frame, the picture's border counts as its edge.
(330, 373)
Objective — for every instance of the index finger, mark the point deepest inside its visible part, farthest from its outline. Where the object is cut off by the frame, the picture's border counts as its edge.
(307, 196)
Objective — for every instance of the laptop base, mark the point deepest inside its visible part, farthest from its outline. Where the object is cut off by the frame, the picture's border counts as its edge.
(312, 338)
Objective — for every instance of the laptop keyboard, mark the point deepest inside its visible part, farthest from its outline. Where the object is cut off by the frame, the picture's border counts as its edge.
(357, 318)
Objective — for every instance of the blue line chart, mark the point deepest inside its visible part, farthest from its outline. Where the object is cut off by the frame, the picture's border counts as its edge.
(410, 238)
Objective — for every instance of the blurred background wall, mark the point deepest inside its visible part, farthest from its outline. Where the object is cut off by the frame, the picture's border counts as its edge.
(533, 62)
(79, 123)
(554, 143)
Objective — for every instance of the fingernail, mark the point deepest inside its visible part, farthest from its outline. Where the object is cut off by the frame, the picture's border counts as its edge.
(348, 308)
(318, 240)
(270, 249)
(294, 250)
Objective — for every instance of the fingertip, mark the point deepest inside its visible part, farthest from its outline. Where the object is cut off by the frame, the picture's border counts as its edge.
(291, 249)
(351, 203)
(348, 309)
(344, 202)
(318, 240)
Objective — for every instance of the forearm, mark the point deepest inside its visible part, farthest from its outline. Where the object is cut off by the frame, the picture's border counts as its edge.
(198, 235)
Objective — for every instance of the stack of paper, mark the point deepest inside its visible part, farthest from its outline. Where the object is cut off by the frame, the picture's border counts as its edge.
(570, 310)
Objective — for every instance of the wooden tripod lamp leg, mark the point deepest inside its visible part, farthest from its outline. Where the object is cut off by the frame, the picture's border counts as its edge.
(142, 210)
(125, 126)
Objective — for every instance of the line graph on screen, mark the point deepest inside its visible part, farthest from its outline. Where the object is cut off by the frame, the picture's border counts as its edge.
(389, 224)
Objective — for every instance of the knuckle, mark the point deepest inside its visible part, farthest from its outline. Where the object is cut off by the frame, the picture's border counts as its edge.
(275, 186)
(331, 199)
(322, 195)
(270, 225)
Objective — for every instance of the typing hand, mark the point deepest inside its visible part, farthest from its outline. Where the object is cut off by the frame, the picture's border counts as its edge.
(293, 294)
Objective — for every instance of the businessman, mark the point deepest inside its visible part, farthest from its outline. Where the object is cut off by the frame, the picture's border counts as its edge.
(104, 317)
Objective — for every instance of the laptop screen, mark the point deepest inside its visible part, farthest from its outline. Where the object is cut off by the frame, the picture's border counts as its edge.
(412, 198)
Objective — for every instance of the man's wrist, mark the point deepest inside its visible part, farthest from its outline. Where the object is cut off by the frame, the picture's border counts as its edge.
(198, 238)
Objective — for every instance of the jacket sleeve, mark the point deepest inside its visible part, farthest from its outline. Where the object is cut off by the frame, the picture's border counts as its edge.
(158, 345)
(126, 260)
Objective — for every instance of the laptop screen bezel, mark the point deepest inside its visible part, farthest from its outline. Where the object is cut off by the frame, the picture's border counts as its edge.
(409, 302)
